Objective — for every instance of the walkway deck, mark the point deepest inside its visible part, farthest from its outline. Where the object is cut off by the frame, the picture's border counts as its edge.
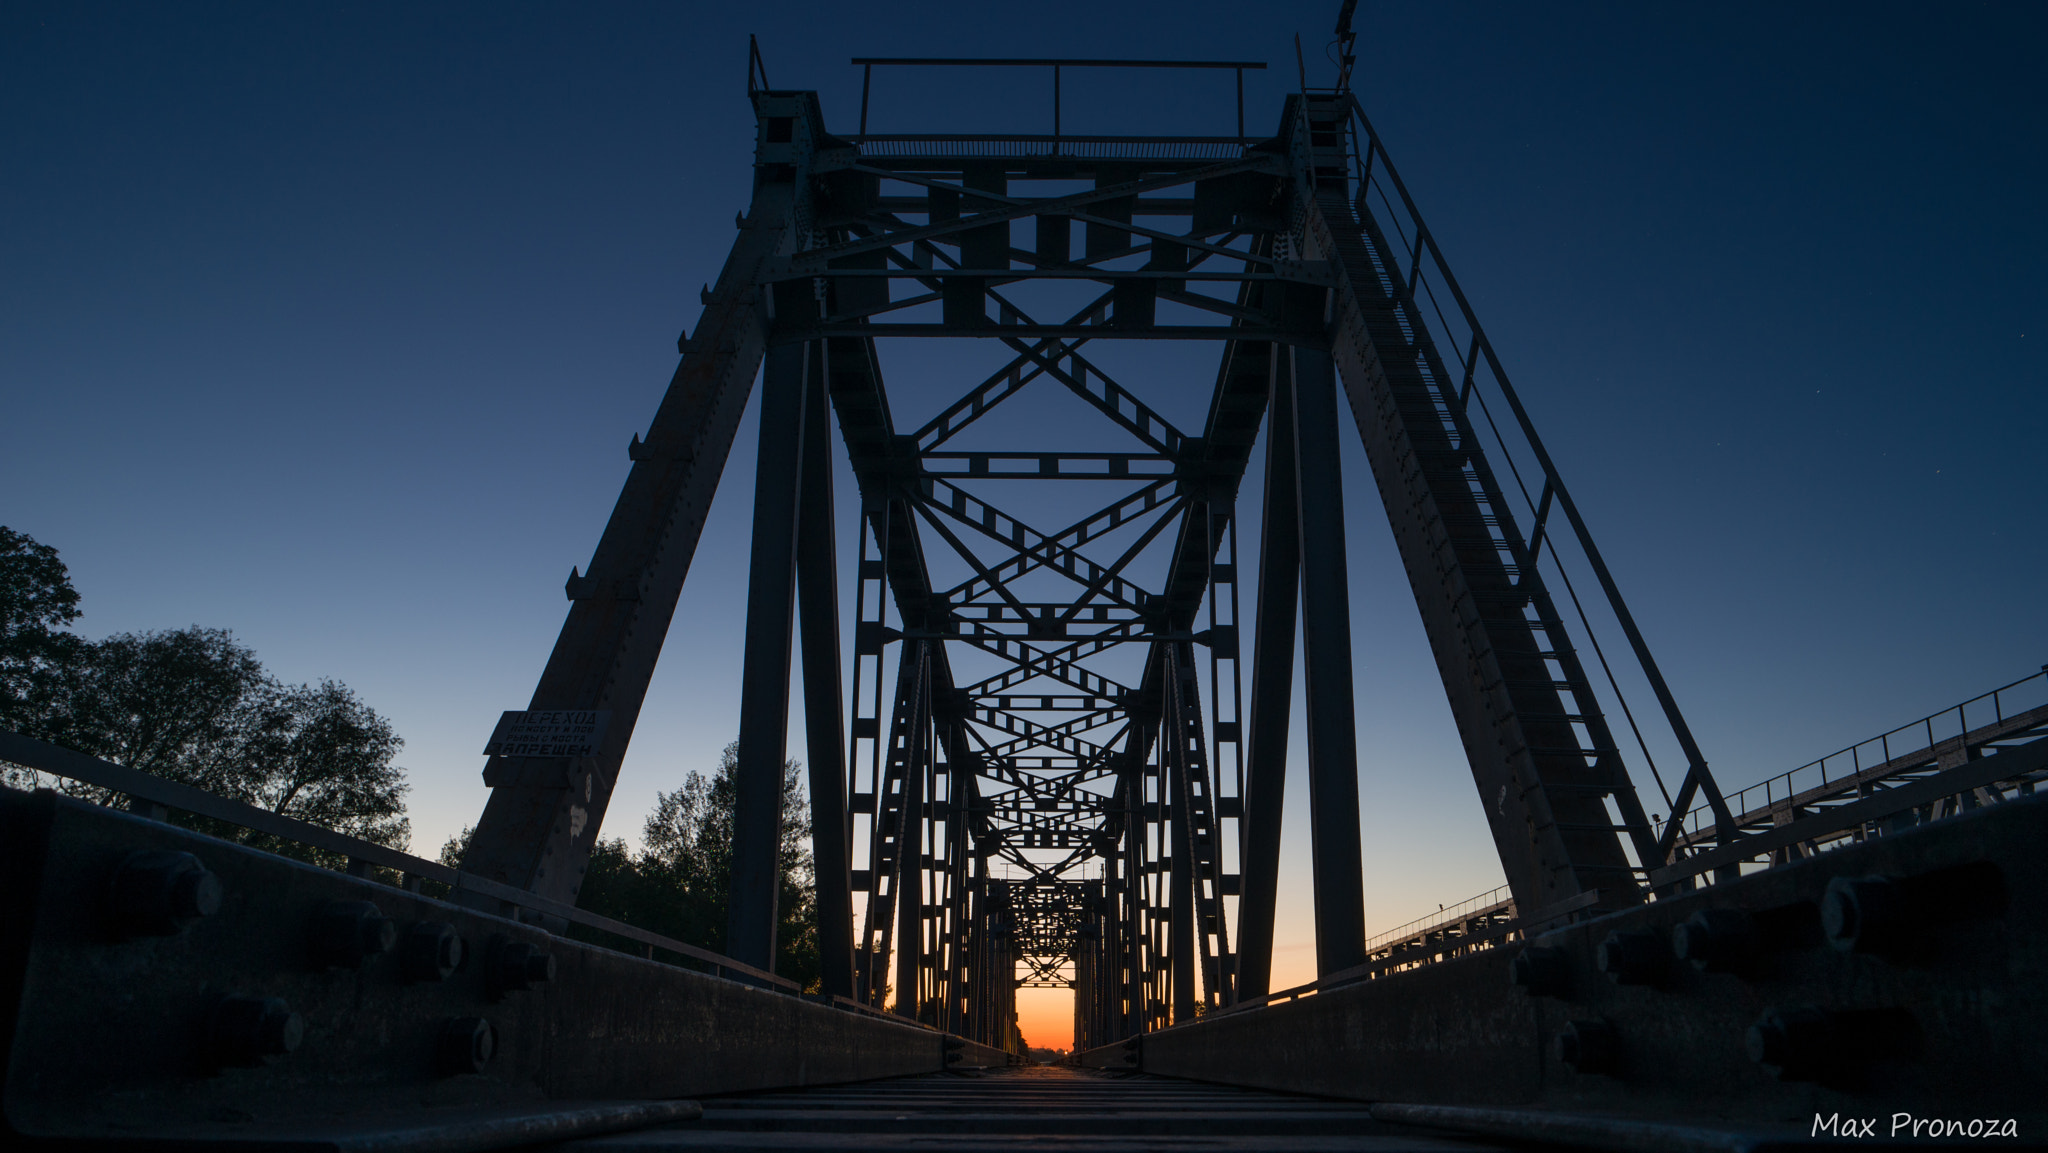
(1041, 1106)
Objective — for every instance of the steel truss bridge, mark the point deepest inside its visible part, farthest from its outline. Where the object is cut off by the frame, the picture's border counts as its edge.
(1055, 751)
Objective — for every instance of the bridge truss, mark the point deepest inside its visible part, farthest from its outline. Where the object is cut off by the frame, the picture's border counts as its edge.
(1063, 760)
(1055, 750)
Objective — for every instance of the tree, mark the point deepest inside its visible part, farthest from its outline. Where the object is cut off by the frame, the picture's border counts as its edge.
(36, 602)
(194, 706)
(678, 885)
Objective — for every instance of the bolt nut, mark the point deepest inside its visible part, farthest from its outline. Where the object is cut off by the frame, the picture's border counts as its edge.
(1717, 940)
(156, 893)
(245, 1030)
(1589, 1047)
(1542, 971)
(430, 951)
(516, 965)
(1798, 1042)
(1865, 915)
(347, 933)
(1633, 956)
(465, 1045)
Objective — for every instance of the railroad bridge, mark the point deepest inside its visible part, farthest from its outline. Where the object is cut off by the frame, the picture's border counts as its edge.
(1055, 750)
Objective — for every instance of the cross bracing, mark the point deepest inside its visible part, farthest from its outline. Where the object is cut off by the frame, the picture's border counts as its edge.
(1056, 750)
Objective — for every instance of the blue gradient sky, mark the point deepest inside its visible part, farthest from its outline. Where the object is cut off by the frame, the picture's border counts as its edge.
(330, 326)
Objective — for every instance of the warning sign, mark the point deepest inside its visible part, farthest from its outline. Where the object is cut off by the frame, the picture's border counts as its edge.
(548, 733)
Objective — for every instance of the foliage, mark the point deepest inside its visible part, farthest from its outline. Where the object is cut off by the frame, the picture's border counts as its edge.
(678, 883)
(36, 602)
(194, 706)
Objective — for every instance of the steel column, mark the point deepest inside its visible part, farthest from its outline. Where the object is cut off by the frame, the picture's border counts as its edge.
(1335, 852)
(817, 578)
(764, 680)
(1272, 700)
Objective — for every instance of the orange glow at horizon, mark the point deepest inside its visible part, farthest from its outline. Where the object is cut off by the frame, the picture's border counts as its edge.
(1046, 1017)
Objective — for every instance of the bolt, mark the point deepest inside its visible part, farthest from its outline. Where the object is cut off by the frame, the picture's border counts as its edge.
(1865, 915)
(517, 965)
(1798, 1042)
(347, 933)
(1541, 970)
(430, 951)
(245, 1030)
(1633, 956)
(156, 893)
(1589, 1047)
(465, 1045)
(1716, 940)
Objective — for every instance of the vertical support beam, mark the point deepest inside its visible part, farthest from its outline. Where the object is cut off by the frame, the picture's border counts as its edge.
(910, 846)
(1181, 955)
(764, 681)
(1338, 867)
(817, 579)
(1272, 699)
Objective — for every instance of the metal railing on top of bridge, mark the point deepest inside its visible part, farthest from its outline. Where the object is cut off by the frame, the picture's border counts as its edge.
(154, 796)
(2019, 705)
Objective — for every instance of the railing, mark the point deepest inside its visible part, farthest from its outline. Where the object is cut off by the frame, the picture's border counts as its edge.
(1395, 959)
(2022, 701)
(1162, 148)
(154, 796)
(1588, 599)
(1422, 927)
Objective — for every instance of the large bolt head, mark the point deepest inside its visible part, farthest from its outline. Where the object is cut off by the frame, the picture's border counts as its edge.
(430, 951)
(465, 1045)
(1797, 1042)
(156, 893)
(516, 965)
(1541, 970)
(347, 933)
(1864, 915)
(1716, 940)
(1632, 957)
(245, 1030)
(1589, 1047)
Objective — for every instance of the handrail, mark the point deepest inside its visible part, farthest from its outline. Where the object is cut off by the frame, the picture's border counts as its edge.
(1783, 784)
(1548, 915)
(1451, 916)
(57, 760)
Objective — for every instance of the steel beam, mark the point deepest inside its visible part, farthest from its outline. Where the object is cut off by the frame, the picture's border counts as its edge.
(764, 677)
(817, 576)
(544, 814)
(1337, 864)
(1272, 701)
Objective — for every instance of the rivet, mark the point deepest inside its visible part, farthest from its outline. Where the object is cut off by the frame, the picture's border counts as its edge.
(157, 892)
(1589, 1047)
(245, 1030)
(1716, 940)
(430, 951)
(516, 965)
(1542, 971)
(465, 1045)
(1633, 956)
(347, 933)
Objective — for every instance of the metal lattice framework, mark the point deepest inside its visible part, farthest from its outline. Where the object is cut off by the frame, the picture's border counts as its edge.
(1051, 770)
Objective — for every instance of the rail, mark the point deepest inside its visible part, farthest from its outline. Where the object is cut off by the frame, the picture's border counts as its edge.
(2013, 707)
(1395, 959)
(1591, 604)
(364, 856)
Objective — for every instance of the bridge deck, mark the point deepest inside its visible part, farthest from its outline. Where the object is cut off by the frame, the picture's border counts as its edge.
(1042, 1106)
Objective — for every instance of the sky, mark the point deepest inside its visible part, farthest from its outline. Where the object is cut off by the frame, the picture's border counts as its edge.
(330, 326)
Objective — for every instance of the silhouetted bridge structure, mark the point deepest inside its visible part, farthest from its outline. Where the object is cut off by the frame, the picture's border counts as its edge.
(1055, 752)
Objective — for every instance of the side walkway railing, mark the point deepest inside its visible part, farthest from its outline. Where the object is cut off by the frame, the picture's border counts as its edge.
(155, 796)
